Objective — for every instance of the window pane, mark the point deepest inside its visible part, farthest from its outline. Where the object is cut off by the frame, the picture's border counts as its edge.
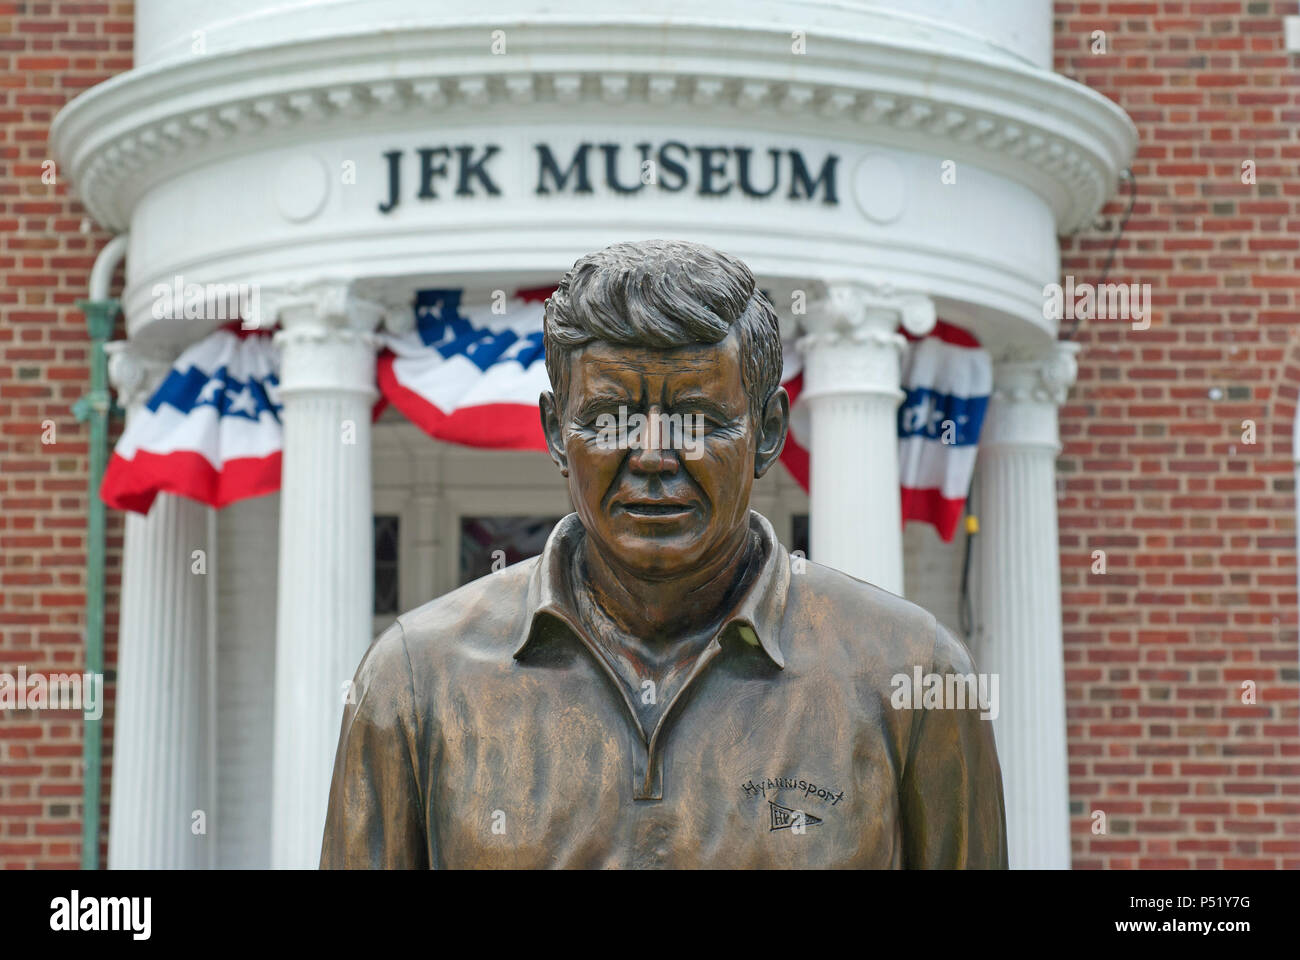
(799, 533)
(518, 538)
(386, 565)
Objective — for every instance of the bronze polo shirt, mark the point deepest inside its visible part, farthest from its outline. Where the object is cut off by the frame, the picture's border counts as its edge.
(486, 729)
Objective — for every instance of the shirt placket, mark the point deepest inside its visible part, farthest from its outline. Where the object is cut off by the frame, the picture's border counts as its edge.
(647, 770)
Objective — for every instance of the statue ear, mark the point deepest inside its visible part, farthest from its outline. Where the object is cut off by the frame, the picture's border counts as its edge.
(772, 431)
(554, 431)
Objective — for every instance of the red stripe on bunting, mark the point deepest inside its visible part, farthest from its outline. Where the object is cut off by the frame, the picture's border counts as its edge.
(947, 333)
(932, 507)
(497, 426)
(534, 294)
(133, 484)
(794, 456)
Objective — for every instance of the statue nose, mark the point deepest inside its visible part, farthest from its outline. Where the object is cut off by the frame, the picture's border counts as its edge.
(654, 453)
(652, 459)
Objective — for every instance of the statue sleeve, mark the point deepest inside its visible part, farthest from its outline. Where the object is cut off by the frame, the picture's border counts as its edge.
(951, 790)
(376, 816)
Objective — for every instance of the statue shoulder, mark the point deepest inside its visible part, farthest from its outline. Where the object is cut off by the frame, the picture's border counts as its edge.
(841, 591)
(483, 614)
(868, 624)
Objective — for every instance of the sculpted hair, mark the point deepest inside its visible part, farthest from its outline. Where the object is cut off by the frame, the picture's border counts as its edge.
(664, 294)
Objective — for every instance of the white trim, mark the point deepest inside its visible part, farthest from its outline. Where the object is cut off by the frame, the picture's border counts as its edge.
(929, 92)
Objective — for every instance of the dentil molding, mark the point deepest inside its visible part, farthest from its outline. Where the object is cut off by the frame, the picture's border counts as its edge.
(1058, 137)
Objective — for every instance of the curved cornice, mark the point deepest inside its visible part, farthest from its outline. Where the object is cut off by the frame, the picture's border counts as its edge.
(1057, 137)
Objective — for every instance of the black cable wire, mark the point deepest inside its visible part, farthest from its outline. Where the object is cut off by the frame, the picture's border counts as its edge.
(965, 612)
(1127, 176)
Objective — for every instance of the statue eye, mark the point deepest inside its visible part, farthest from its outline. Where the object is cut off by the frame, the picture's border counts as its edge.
(707, 420)
(599, 413)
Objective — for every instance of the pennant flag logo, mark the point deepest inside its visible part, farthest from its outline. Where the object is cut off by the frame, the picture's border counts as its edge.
(783, 818)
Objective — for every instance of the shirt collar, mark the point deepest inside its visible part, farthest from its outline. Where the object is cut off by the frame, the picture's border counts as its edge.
(761, 608)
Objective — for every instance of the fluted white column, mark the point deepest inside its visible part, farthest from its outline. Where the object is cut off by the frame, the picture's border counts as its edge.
(161, 746)
(1019, 595)
(852, 369)
(327, 386)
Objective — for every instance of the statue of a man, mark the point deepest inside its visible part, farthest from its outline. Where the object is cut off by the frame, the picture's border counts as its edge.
(665, 686)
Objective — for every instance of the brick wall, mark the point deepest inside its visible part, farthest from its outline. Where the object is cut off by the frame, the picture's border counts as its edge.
(49, 52)
(1198, 527)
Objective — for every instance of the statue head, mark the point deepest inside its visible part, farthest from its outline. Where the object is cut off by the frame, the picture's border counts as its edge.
(666, 403)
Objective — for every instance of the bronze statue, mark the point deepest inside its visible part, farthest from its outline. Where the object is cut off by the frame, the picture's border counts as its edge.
(665, 686)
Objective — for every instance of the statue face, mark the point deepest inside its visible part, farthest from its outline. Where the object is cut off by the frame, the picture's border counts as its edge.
(659, 509)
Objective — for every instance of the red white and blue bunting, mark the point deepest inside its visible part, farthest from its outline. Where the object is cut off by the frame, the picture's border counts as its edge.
(947, 381)
(210, 432)
(472, 375)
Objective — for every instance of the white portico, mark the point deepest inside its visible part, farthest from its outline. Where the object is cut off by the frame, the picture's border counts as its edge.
(874, 166)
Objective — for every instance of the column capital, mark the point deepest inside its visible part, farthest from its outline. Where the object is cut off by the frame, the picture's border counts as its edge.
(327, 337)
(395, 300)
(853, 311)
(137, 368)
(317, 310)
(851, 344)
(1029, 383)
(1036, 374)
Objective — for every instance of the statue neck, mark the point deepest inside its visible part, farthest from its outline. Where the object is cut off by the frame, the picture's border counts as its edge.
(668, 609)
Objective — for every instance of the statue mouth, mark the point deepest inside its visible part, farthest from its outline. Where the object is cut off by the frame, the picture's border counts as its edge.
(655, 509)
